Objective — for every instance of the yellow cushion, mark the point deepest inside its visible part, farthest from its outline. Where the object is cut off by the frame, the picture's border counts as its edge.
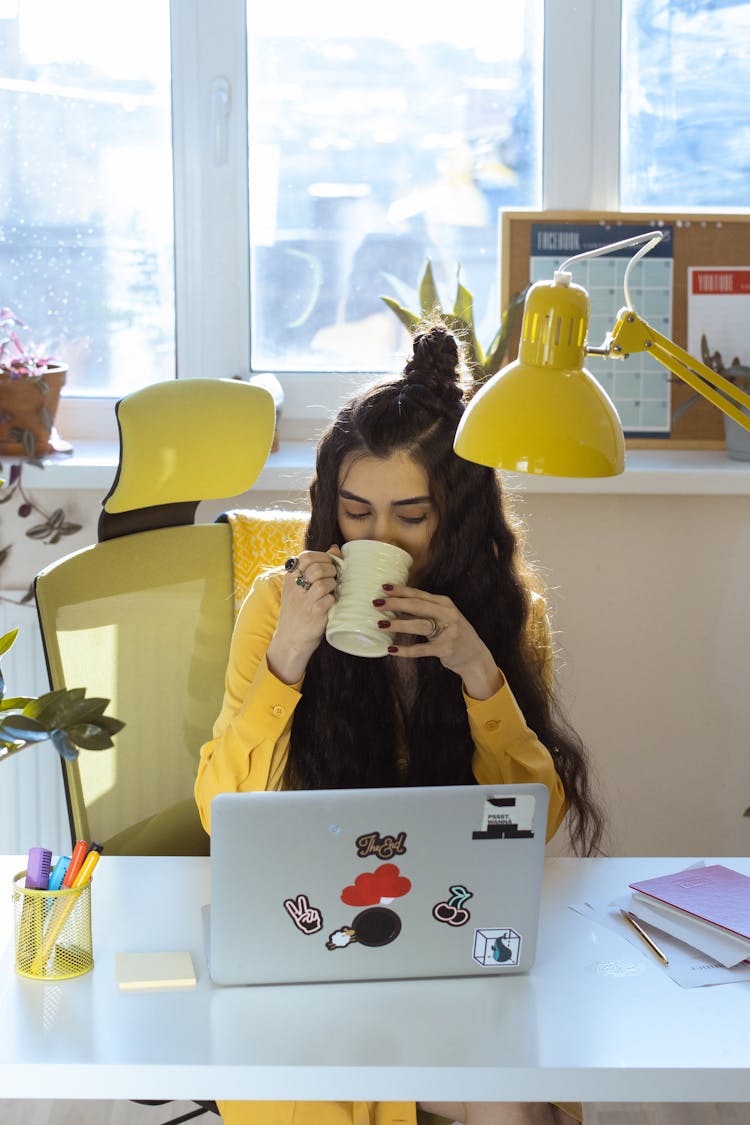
(262, 539)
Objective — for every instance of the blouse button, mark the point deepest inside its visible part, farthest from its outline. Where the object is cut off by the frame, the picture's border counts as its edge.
(492, 724)
(278, 710)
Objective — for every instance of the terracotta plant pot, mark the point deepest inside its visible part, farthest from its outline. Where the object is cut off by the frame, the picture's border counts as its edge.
(28, 406)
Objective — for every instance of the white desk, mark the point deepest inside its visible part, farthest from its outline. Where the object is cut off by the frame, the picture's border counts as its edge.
(596, 1020)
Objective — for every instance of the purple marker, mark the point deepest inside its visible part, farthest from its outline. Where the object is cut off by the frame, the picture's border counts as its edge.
(37, 869)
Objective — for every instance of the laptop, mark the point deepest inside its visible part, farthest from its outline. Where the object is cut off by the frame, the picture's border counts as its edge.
(368, 884)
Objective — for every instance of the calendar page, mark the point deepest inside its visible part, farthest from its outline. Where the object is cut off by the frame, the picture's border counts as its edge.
(638, 386)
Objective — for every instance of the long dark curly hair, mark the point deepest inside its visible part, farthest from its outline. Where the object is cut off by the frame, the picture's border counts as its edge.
(347, 724)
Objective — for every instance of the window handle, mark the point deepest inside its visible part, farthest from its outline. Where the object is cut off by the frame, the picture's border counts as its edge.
(221, 105)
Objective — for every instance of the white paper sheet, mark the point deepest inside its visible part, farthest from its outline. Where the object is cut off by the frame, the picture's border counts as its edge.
(687, 966)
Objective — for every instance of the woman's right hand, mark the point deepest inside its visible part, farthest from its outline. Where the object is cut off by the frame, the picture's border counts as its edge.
(303, 615)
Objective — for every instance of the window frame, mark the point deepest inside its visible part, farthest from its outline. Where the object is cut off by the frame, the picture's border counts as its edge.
(580, 171)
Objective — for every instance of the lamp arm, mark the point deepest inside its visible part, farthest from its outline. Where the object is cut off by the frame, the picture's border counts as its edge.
(632, 334)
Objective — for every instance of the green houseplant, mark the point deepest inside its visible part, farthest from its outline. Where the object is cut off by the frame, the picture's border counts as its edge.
(64, 717)
(483, 361)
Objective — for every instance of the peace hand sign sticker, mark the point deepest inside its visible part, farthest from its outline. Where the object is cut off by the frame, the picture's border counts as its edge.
(306, 918)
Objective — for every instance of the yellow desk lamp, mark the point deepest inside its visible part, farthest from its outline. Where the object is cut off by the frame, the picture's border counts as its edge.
(545, 413)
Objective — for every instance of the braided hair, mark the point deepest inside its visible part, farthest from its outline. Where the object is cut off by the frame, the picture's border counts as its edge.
(345, 728)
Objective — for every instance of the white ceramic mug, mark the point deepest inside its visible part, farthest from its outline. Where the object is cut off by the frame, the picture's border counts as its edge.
(353, 620)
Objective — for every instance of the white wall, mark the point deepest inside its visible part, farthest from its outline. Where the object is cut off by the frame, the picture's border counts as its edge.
(649, 597)
(652, 604)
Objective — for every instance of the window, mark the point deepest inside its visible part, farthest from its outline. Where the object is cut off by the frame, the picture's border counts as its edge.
(86, 186)
(314, 158)
(378, 140)
(685, 126)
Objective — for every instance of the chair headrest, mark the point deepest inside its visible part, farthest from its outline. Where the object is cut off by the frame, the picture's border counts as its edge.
(189, 440)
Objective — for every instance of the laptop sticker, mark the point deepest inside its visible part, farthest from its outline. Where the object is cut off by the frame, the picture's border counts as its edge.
(384, 847)
(376, 926)
(493, 947)
(379, 886)
(507, 818)
(306, 918)
(453, 910)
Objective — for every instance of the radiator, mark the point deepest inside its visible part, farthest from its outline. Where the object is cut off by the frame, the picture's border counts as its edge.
(32, 798)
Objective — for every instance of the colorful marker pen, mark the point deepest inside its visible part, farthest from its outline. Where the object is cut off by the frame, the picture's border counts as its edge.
(37, 869)
(88, 865)
(58, 873)
(77, 858)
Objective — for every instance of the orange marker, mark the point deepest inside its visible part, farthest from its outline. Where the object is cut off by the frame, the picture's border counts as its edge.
(77, 858)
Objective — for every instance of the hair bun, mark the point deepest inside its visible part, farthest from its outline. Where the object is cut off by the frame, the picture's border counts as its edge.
(435, 364)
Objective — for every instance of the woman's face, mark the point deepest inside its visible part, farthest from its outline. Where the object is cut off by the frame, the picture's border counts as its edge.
(388, 499)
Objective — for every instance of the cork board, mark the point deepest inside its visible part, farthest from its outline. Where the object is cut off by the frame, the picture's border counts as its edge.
(698, 240)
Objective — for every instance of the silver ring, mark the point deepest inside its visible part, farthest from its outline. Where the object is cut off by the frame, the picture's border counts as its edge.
(436, 629)
(305, 583)
(291, 565)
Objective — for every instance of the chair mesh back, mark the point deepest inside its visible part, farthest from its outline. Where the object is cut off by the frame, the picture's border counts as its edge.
(146, 622)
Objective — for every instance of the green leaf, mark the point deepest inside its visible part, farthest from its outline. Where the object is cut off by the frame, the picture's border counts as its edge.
(16, 704)
(409, 319)
(463, 306)
(71, 709)
(7, 640)
(24, 728)
(405, 294)
(509, 323)
(90, 736)
(39, 704)
(429, 299)
(110, 724)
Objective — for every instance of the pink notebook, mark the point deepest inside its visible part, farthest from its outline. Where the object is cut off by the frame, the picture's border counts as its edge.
(715, 893)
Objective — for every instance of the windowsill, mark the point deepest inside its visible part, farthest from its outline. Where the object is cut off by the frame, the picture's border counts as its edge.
(92, 467)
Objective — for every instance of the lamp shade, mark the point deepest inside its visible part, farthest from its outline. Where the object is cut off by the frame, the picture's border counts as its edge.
(545, 413)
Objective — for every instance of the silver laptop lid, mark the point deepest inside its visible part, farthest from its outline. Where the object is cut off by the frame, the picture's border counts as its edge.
(369, 884)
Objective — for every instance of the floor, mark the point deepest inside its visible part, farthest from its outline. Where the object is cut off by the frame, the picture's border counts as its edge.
(128, 1113)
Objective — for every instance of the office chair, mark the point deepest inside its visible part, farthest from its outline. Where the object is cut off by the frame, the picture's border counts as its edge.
(144, 617)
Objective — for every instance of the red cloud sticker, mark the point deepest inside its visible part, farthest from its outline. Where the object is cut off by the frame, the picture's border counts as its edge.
(372, 887)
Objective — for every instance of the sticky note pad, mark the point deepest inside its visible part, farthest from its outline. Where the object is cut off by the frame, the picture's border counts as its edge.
(154, 970)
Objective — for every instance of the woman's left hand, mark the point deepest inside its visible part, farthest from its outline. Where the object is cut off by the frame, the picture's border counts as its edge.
(443, 632)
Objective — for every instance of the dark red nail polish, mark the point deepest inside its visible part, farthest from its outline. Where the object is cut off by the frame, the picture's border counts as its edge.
(387, 586)
(384, 624)
(392, 648)
(379, 601)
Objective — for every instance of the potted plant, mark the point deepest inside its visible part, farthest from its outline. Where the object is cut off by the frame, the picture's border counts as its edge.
(64, 717)
(30, 385)
(483, 362)
(737, 437)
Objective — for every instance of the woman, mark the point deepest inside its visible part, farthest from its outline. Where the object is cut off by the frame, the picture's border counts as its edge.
(464, 694)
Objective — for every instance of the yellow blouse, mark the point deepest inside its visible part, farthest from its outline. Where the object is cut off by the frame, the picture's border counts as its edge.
(250, 743)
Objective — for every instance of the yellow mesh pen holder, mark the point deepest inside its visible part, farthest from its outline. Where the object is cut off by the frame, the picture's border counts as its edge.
(52, 931)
